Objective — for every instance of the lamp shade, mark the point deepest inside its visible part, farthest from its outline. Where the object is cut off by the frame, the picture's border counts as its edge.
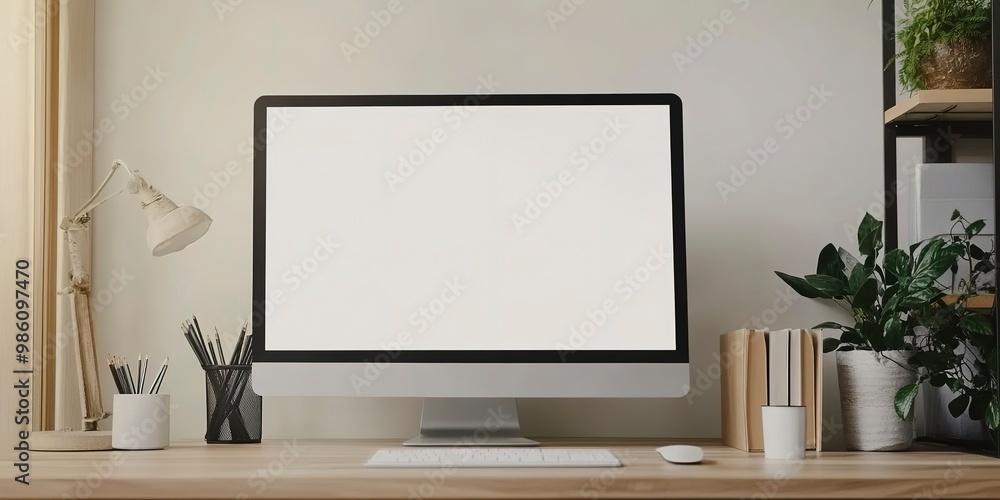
(171, 228)
(176, 229)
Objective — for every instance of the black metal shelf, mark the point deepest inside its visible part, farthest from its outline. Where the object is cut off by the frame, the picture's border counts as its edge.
(932, 129)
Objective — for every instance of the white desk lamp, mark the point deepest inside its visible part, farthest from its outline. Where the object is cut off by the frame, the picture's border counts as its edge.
(171, 228)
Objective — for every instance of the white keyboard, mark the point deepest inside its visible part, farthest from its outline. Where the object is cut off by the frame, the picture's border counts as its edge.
(493, 457)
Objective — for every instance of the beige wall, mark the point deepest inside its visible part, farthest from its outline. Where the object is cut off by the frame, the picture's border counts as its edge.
(17, 111)
(193, 73)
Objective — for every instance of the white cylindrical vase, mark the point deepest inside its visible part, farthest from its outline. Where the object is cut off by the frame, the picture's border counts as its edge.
(868, 385)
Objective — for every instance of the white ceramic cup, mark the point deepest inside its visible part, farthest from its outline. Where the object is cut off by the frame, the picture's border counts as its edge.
(784, 432)
(140, 422)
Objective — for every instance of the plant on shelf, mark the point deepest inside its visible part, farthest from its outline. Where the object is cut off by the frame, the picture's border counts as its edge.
(957, 345)
(873, 354)
(945, 44)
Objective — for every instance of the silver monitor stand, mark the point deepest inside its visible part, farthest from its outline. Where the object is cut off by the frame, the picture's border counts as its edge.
(469, 422)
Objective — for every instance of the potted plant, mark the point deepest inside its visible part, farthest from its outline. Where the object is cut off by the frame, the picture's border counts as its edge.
(873, 354)
(957, 340)
(945, 45)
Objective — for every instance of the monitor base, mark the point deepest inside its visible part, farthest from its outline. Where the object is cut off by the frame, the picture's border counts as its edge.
(469, 422)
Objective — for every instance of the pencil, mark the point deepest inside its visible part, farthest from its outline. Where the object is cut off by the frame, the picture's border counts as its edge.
(114, 375)
(211, 349)
(155, 387)
(121, 374)
(194, 347)
(218, 341)
(140, 373)
(238, 350)
(131, 381)
(201, 342)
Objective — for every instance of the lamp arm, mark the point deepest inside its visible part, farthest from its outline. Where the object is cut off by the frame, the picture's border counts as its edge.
(91, 203)
(78, 222)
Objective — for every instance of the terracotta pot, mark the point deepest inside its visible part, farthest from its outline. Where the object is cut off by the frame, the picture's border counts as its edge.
(966, 64)
(868, 386)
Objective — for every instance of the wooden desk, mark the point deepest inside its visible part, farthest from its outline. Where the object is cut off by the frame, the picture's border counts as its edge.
(332, 469)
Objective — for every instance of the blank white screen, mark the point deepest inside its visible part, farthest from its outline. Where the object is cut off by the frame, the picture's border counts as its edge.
(450, 255)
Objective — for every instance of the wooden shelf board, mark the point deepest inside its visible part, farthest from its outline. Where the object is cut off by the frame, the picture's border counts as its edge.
(943, 105)
(975, 302)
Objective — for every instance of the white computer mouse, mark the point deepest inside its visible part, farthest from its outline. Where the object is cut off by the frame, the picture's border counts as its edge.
(681, 453)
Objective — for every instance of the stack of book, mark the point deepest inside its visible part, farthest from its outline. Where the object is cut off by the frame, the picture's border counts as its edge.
(779, 368)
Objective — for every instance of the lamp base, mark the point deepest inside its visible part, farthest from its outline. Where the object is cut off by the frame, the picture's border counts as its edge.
(70, 441)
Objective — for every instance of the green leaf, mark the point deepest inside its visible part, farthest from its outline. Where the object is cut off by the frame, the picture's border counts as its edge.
(829, 287)
(975, 228)
(934, 362)
(858, 276)
(955, 384)
(890, 292)
(866, 296)
(849, 260)
(830, 344)
(993, 414)
(984, 266)
(894, 332)
(958, 405)
(917, 299)
(903, 402)
(897, 263)
(938, 380)
(829, 324)
(955, 215)
(852, 337)
(829, 263)
(935, 258)
(874, 335)
(979, 406)
(869, 236)
(976, 253)
(800, 286)
(976, 324)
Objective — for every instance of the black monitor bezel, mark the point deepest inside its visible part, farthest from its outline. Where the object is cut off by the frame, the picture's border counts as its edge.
(678, 355)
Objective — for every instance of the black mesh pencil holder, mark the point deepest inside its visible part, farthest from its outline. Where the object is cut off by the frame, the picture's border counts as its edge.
(234, 410)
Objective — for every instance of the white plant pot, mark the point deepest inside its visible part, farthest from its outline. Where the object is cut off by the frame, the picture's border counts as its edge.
(868, 385)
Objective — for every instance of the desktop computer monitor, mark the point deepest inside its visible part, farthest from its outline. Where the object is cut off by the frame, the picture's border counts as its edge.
(469, 249)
